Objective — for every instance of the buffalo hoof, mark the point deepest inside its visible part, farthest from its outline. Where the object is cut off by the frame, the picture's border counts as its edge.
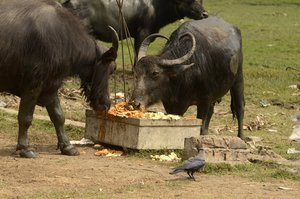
(242, 137)
(204, 132)
(69, 150)
(27, 153)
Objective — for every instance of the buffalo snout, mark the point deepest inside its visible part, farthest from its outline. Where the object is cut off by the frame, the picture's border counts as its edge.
(101, 106)
(137, 105)
(204, 14)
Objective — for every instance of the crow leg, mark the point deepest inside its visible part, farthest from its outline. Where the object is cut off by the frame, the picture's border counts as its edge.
(192, 175)
(189, 173)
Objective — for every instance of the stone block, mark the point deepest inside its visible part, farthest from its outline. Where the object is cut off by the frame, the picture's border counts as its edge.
(237, 143)
(229, 149)
(216, 148)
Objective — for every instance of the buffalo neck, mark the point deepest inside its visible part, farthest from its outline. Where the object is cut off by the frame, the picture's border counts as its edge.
(166, 12)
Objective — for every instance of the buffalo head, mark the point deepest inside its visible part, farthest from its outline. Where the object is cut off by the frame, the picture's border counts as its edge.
(95, 83)
(191, 8)
(153, 72)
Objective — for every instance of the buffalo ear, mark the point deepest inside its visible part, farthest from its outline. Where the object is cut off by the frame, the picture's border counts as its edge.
(177, 70)
(110, 55)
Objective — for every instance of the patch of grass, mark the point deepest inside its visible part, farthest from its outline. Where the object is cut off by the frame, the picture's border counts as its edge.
(74, 133)
(146, 153)
(9, 125)
(261, 170)
(293, 157)
(75, 115)
(41, 129)
(269, 47)
(271, 2)
(7, 120)
(283, 175)
(39, 132)
(66, 195)
(220, 168)
(130, 188)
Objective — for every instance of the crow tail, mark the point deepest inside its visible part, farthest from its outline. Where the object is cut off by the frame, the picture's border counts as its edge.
(175, 171)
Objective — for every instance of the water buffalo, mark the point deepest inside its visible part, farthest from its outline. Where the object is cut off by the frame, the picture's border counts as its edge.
(200, 63)
(143, 17)
(42, 43)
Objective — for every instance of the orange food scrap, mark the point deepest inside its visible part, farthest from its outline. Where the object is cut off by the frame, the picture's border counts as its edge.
(123, 109)
(109, 153)
(189, 117)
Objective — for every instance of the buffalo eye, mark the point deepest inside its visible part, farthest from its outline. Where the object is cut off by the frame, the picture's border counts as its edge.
(155, 74)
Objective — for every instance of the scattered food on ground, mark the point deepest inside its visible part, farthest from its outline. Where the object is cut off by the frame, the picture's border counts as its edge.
(83, 141)
(292, 151)
(109, 153)
(295, 133)
(171, 157)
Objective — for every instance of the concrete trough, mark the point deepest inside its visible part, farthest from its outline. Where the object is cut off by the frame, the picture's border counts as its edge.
(137, 133)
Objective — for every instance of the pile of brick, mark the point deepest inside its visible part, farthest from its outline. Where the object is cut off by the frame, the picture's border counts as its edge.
(227, 149)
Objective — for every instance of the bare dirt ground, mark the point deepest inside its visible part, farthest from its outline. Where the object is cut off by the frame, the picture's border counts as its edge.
(87, 176)
(52, 175)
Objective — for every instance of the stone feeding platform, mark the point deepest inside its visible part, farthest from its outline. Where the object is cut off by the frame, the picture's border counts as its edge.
(140, 133)
(229, 149)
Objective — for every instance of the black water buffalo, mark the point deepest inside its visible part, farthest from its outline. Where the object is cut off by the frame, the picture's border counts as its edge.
(200, 63)
(143, 17)
(41, 43)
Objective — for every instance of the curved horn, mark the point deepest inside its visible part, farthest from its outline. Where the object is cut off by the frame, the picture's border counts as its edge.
(115, 38)
(145, 44)
(167, 62)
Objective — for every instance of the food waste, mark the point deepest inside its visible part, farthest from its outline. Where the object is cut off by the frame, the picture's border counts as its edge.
(124, 109)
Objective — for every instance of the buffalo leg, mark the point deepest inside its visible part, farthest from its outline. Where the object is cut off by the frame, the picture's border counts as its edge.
(206, 117)
(238, 104)
(25, 116)
(58, 119)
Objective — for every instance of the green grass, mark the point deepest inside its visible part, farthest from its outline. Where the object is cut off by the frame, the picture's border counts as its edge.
(67, 195)
(260, 171)
(40, 131)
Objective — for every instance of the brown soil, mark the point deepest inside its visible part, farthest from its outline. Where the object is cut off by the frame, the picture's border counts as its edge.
(52, 175)
(88, 176)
